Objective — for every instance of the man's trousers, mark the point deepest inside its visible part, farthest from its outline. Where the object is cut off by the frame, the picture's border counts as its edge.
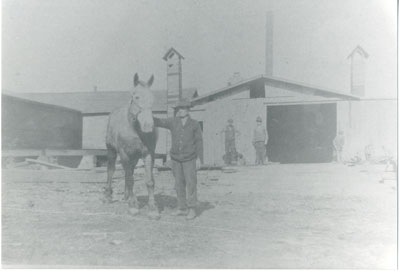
(185, 183)
(260, 152)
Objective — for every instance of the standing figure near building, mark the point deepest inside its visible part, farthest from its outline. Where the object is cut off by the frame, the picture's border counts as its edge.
(186, 156)
(230, 132)
(338, 143)
(260, 139)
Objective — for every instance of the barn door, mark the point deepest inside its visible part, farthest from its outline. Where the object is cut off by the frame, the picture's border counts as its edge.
(301, 133)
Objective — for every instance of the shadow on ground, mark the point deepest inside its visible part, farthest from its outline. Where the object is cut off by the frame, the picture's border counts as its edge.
(169, 202)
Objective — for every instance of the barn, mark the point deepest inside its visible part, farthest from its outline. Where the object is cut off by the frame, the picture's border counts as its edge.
(95, 106)
(301, 120)
(28, 124)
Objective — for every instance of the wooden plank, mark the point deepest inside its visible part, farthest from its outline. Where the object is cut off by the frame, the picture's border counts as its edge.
(45, 163)
(97, 152)
(20, 153)
(12, 165)
(29, 152)
(20, 164)
(48, 152)
(210, 167)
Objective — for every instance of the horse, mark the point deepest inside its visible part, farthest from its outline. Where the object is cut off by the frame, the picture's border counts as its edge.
(132, 135)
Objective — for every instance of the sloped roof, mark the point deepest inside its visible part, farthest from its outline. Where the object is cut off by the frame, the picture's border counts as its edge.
(273, 82)
(172, 49)
(99, 101)
(6, 98)
(359, 50)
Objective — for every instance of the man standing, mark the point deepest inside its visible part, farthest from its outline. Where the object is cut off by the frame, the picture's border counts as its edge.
(186, 156)
(260, 138)
(338, 143)
(230, 143)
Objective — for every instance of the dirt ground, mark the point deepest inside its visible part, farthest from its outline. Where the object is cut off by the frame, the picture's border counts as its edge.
(275, 216)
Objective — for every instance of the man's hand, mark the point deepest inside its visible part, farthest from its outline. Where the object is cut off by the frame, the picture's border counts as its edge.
(198, 164)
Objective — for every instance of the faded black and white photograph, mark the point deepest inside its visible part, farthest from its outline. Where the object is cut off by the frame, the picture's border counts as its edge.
(199, 134)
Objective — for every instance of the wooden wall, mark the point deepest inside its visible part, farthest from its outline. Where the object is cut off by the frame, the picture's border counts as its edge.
(363, 122)
(33, 125)
(95, 128)
(94, 132)
(368, 122)
(215, 117)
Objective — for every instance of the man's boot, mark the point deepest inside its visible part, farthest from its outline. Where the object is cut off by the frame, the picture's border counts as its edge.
(191, 215)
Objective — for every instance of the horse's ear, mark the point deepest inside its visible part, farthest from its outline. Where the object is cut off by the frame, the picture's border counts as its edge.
(150, 82)
(135, 80)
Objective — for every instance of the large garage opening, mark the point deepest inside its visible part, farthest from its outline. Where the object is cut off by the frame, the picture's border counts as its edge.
(301, 133)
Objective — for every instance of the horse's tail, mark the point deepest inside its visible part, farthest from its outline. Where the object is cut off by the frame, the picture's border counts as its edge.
(109, 134)
(156, 133)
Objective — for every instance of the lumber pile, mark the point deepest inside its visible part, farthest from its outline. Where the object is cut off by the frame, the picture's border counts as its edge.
(40, 162)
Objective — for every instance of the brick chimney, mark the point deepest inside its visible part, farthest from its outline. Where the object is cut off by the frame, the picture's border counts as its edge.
(269, 43)
(357, 70)
(174, 85)
(174, 78)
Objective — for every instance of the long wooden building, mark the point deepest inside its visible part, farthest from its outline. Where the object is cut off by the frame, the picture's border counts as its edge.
(28, 124)
(301, 120)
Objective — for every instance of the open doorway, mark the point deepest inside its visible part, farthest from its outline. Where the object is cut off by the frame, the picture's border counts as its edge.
(301, 133)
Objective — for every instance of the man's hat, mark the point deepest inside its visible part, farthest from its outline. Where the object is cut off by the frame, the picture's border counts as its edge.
(259, 119)
(183, 104)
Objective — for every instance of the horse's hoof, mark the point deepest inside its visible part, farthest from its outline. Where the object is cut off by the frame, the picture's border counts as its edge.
(154, 215)
(126, 196)
(107, 196)
(133, 211)
(107, 191)
(107, 200)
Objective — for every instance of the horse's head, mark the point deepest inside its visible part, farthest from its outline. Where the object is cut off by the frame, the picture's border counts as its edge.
(141, 103)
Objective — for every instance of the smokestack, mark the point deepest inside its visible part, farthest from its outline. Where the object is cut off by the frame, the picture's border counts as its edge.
(174, 85)
(269, 43)
(174, 76)
(357, 70)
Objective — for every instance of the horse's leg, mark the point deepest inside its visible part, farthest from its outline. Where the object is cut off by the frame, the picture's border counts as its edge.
(148, 165)
(129, 194)
(111, 157)
(132, 200)
(125, 161)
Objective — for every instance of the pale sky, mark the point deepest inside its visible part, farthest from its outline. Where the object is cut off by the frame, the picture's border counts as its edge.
(72, 45)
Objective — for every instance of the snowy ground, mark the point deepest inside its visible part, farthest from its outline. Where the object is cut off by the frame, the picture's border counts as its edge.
(275, 216)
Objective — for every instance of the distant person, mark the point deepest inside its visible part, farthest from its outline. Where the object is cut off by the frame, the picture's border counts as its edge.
(389, 160)
(230, 143)
(338, 143)
(186, 157)
(260, 139)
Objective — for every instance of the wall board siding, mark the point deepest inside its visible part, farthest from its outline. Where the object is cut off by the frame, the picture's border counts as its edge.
(32, 125)
(95, 128)
(243, 113)
(368, 123)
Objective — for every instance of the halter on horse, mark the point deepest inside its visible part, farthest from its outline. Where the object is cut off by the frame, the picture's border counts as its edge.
(131, 134)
